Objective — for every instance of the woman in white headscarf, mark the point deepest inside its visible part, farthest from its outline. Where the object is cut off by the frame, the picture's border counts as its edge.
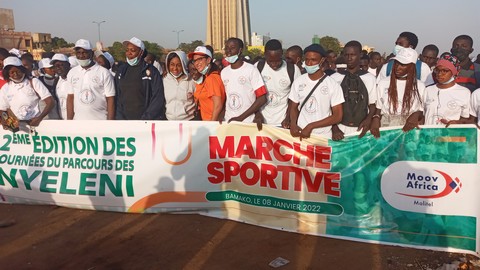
(179, 88)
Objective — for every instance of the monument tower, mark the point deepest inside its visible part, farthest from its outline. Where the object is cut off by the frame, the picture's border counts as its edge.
(227, 18)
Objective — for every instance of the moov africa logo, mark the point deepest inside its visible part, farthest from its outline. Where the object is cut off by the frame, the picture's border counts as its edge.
(430, 187)
(439, 183)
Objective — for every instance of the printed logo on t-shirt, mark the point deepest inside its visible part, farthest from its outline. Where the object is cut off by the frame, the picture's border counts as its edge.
(429, 100)
(311, 105)
(96, 80)
(324, 90)
(452, 105)
(242, 80)
(87, 96)
(234, 102)
(25, 112)
(302, 86)
(266, 78)
(75, 80)
(272, 99)
(225, 82)
(284, 83)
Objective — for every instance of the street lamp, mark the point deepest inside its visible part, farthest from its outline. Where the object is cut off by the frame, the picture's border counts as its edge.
(178, 36)
(98, 24)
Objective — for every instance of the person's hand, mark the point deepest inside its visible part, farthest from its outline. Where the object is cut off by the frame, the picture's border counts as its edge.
(34, 122)
(286, 123)
(375, 127)
(409, 125)
(306, 132)
(364, 127)
(295, 130)
(337, 134)
(236, 119)
(451, 122)
(258, 119)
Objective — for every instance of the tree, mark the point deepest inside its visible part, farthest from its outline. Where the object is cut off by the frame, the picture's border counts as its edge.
(117, 51)
(58, 42)
(190, 47)
(253, 53)
(154, 49)
(331, 43)
(218, 55)
(47, 47)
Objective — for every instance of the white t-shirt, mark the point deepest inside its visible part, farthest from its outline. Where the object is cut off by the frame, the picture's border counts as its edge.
(372, 71)
(382, 97)
(63, 87)
(319, 106)
(22, 99)
(91, 87)
(242, 87)
(450, 104)
(475, 105)
(278, 85)
(425, 71)
(179, 101)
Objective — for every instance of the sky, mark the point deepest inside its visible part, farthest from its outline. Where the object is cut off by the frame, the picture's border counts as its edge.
(374, 23)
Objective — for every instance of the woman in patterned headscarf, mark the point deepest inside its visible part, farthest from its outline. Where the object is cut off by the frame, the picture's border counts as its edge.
(446, 102)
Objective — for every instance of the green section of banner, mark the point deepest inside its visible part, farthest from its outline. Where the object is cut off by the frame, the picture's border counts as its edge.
(361, 163)
(277, 203)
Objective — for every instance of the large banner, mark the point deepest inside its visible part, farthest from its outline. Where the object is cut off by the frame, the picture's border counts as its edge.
(416, 189)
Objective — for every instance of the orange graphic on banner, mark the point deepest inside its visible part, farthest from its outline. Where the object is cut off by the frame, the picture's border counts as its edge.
(166, 197)
(189, 147)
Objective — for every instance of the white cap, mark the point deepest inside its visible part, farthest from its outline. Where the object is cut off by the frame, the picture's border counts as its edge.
(12, 61)
(406, 56)
(45, 63)
(84, 44)
(107, 55)
(136, 42)
(16, 51)
(109, 58)
(200, 50)
(59, 57)
(73, 61)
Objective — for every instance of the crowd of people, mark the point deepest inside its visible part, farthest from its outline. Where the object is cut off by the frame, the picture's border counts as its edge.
(308, 91)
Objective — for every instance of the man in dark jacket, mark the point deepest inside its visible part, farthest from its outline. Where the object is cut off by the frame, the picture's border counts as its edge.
(139, 86)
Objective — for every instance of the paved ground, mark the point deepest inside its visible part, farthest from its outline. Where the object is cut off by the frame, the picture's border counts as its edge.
(48, 237)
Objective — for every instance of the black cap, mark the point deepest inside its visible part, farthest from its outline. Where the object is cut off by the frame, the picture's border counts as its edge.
(315, 48)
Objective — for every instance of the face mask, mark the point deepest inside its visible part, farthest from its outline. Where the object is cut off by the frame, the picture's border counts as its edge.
(18, 81)
(314, 68)
(133, 62)
(460, 53)
(204, 71)
(449, 81)
(176, 76)
(199, 80)
(232, 59)
(396, 49)
(84, 63)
